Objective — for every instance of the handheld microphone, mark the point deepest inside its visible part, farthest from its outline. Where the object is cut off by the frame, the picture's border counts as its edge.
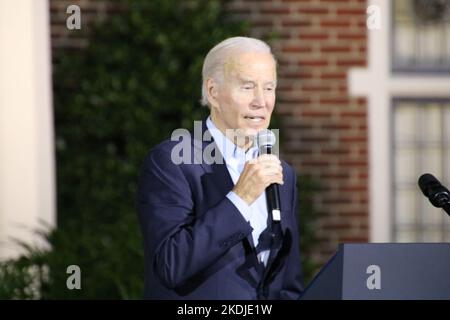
(266, 139)
(438, 195)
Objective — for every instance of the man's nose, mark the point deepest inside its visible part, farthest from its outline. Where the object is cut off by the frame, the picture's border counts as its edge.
(258, 99)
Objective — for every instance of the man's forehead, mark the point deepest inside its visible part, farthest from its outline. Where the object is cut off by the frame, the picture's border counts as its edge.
(239, 66)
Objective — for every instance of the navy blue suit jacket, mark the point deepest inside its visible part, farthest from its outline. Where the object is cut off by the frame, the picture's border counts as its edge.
(198, 245)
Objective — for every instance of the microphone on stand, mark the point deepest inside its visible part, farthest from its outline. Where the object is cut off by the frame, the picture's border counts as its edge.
(438, 195)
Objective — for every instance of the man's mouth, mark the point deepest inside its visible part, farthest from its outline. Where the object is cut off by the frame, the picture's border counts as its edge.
(255, 119)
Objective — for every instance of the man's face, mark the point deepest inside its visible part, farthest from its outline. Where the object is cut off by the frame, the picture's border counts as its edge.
(246, 98)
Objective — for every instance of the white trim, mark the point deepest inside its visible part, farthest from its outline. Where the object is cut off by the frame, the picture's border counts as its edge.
(423, 86)
(27, 187)
(372, 83)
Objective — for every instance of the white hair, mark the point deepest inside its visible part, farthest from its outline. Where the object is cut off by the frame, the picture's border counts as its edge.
(219, 55)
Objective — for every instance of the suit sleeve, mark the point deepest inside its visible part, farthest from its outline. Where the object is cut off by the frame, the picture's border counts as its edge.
(180, 244)
(293, 278)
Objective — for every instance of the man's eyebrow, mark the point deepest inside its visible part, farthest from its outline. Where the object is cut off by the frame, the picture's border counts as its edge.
(243, 80)
(246, 80)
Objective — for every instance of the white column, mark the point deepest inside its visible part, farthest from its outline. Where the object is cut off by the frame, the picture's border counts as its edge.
(27, 178)
(373, 84)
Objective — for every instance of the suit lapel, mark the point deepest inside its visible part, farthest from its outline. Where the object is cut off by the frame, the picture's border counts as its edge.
(217, 180)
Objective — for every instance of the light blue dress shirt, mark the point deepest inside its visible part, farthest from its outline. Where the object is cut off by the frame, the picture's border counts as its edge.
(235, 159)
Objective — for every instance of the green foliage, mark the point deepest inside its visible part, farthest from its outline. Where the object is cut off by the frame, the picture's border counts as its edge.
(138, 80)
(307, 217)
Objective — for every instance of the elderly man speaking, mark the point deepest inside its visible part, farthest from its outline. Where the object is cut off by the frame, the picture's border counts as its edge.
(206, 227)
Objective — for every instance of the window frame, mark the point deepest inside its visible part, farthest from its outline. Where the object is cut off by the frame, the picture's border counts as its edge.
(407, 70)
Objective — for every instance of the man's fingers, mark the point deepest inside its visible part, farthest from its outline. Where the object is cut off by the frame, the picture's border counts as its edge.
(273, 179)
(268, 158)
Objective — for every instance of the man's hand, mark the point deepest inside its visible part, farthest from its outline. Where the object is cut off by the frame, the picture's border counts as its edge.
(257, 175)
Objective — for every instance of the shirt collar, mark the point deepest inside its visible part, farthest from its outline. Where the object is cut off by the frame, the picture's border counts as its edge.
(230, 152)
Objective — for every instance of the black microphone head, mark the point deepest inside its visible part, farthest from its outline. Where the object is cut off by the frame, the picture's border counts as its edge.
(434, 190)
(427, 182)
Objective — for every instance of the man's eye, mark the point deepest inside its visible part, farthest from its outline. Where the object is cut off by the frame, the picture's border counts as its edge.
(248, 87)
(269, 89)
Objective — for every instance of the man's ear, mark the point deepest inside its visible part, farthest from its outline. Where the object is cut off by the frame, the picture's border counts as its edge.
(212, 92)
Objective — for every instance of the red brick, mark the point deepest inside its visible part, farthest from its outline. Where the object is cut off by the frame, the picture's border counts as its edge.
(336, 126)
(336, 226)
(353, 139)
(315, 139)
(361, 101)
(315, 88)
(335, 24)
(296, 23)
(338, 200)
(312, 62)
(334, 49)
(362, 24)
(350, 62)
(333, 75)
(297, 74)
(335, 151)
(361, 214)
(313, 10)
(276, 11)
(284, 88)
(284, 99)
(353, 114)
(351, 36)
(334, 101)
(354, 188)
(352, 163)
(335, 176)
(316, 114)
(296, 49)
(313, 35)
(359, 12)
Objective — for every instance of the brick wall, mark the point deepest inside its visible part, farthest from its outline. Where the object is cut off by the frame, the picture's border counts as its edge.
(316, 43)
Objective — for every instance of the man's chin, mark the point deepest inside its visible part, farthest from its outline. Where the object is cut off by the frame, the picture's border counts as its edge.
(253, 132)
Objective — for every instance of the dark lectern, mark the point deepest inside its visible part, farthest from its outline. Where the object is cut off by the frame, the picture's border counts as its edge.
(384, 271)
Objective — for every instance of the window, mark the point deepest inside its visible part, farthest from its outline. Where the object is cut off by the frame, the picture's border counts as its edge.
(421, 37)
(421, 144)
